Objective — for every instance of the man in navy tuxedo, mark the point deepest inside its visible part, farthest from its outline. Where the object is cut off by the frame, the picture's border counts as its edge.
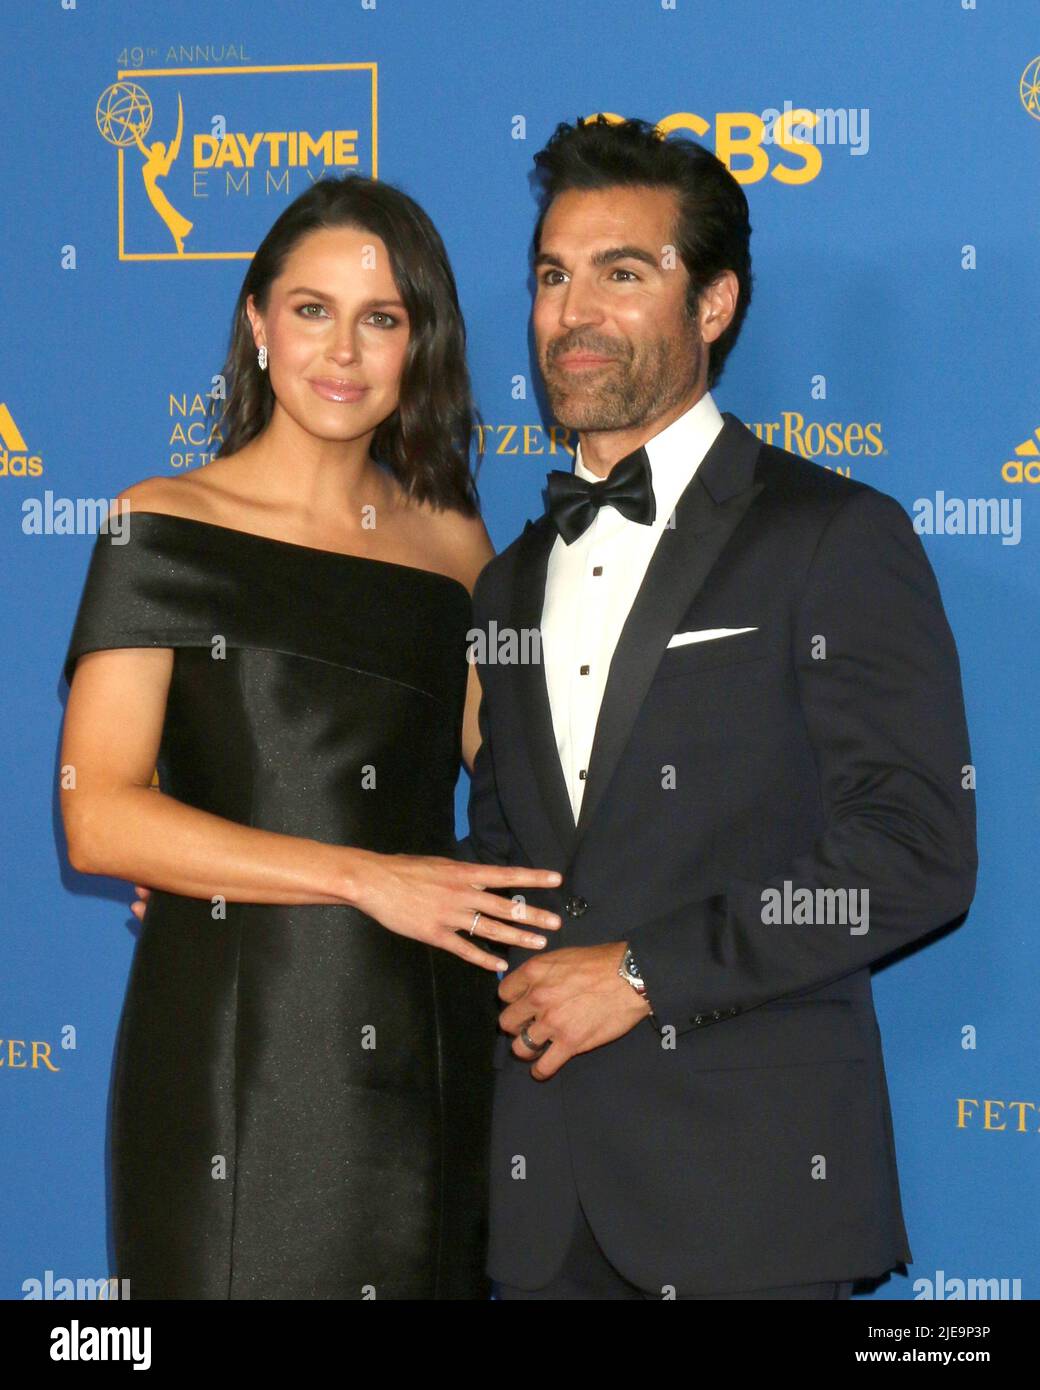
(744, 747)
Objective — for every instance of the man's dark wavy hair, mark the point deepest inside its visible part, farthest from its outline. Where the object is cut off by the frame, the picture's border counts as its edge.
(425, 443)
(714, 230)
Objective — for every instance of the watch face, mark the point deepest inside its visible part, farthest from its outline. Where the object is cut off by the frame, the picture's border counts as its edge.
(630, 972)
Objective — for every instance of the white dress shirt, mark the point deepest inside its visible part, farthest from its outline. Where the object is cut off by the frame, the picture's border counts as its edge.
(592, 583)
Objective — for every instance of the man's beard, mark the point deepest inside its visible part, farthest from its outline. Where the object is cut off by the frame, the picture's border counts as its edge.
(638, 389)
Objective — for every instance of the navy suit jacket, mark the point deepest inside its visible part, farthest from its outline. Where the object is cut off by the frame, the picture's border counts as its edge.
(743, 1139)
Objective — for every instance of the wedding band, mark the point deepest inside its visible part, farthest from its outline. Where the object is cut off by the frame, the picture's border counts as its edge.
(476, 919)
(528, 1041)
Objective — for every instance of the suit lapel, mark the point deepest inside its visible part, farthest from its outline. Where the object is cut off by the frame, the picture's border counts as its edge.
(706, 515)
(535, 717)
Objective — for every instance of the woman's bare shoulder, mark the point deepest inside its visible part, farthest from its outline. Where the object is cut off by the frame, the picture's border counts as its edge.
(185, 495)
(463, 542)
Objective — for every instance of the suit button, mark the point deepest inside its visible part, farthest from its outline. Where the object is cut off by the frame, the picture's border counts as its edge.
(575, 907)
(716, 1014)
(698, 1019)
(733, 1013)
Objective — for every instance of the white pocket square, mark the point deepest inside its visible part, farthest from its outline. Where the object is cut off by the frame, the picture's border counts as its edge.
(707, 634)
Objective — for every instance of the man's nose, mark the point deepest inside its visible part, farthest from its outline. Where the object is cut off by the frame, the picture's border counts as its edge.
(580, 305)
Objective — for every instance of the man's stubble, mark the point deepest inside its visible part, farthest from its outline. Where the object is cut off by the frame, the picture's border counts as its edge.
(638, 390)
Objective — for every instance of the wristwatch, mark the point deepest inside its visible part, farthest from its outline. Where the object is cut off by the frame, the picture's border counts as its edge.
(629, 972)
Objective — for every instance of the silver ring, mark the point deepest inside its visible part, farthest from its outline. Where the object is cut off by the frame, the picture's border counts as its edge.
(476, 919)
(528, 1041)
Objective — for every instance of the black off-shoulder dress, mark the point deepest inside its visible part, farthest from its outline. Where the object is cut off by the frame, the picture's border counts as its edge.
(301, 1097)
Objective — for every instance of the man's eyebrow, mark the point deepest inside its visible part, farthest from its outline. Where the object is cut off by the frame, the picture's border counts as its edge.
(605, 257)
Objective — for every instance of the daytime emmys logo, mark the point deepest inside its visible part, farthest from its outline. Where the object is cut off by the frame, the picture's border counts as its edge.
(1029, 88)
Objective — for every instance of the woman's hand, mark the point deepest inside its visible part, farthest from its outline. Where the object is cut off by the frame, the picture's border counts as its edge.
(433, 899)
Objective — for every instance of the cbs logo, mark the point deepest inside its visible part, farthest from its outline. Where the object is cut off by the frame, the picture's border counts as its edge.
(742, 135)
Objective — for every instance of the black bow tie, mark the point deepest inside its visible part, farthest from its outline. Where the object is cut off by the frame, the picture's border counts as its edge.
(574, 502)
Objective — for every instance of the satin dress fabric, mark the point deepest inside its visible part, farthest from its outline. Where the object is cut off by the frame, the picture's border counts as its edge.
(301, 1097)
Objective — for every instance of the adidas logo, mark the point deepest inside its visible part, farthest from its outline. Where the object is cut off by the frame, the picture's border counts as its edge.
(1025, 466)
(15, 459)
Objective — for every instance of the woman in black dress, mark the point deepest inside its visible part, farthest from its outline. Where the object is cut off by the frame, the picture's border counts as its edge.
(303, 1066)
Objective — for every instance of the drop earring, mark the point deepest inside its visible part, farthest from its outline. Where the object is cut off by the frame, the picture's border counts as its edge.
(261, 358)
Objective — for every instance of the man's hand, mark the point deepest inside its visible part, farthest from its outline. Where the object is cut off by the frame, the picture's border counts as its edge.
(573, 997)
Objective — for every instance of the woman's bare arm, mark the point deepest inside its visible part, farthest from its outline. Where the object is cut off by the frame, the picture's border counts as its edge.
(470, 720)
(116, 824)
(470, 547)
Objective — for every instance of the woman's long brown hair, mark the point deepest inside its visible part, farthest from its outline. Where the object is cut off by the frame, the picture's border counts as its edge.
(426, 442)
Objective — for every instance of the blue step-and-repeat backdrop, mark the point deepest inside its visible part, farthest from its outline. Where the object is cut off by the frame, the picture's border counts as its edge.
(890, 154)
